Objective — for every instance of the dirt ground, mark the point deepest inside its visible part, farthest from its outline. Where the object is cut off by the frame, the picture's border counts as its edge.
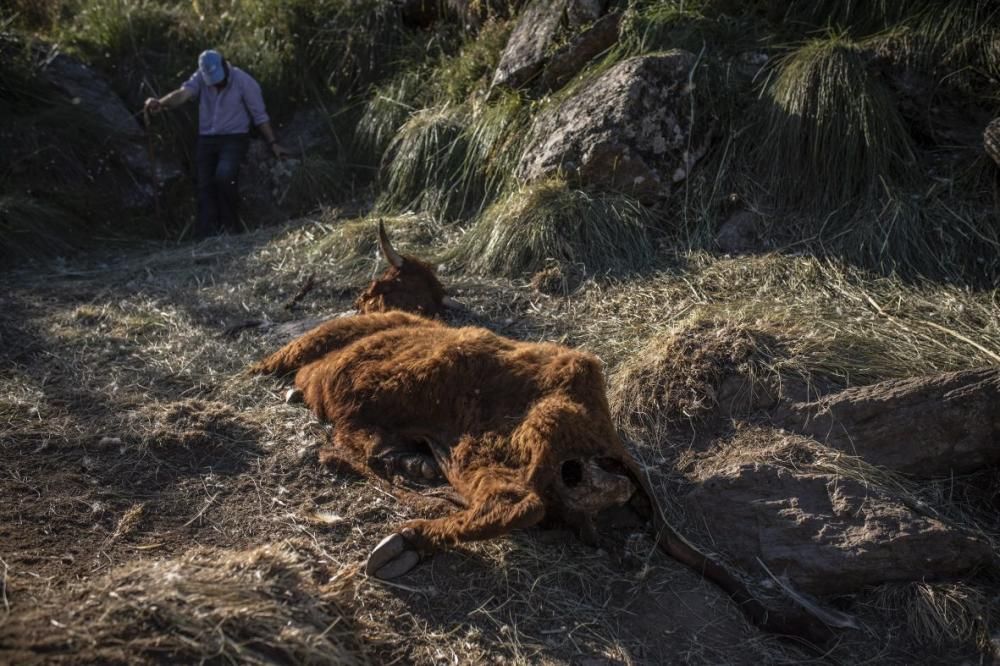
(131, 445)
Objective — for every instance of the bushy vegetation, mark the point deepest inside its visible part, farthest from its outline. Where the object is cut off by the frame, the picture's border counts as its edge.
(813, 129)
(521, 233)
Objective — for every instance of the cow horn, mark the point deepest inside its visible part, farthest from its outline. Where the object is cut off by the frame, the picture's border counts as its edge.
(587, 487)
(390, 254)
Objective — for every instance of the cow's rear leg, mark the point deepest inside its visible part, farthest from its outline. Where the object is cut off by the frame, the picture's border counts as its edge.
(496, 510)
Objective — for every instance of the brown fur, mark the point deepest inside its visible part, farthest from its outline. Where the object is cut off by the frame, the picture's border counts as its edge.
(500, 418)
(414, 287)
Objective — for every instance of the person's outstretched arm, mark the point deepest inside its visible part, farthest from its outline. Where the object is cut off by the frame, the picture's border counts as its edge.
(169, 101)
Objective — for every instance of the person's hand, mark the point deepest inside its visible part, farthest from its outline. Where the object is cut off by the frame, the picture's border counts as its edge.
(279, 151)
(153, 105)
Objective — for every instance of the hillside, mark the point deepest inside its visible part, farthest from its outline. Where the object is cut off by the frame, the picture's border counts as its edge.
(775, 223)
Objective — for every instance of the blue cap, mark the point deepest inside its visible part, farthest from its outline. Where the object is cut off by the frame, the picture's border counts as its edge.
(211, 68)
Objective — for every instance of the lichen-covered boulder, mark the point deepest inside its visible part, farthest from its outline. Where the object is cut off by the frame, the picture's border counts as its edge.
(787, 504)
(529, 43)
(627, 130)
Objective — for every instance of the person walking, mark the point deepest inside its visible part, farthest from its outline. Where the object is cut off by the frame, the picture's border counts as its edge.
(229, 101)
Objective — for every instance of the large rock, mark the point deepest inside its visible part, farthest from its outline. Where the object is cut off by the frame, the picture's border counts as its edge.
(92, 95)
(925, 426)
(828, 533)
(529, 43)
(627, 130)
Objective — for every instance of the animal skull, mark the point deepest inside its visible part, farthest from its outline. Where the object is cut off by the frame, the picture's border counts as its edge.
(585, 486)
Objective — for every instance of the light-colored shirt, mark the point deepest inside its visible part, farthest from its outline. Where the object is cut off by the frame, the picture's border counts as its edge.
(231, 110)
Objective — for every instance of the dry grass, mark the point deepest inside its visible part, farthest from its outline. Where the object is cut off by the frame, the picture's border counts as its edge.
(549, 220)
(938, 614)
(253, 607)
(129, 347)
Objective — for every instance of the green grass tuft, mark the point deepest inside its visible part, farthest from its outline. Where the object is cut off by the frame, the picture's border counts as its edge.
(834, 136)
(424, 168)
(386, 110)
(545, 221)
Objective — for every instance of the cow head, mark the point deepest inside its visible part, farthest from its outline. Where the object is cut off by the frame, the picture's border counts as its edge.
(590, 485)
(409, 284)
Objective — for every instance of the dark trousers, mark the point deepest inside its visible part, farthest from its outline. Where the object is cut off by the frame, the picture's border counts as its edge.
(219, 158)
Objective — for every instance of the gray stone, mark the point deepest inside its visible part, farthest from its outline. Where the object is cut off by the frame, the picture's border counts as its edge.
(628, 130)
(529, 43)
(92, 95)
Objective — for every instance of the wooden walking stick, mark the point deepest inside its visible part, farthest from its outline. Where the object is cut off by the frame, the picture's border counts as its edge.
(152, 165)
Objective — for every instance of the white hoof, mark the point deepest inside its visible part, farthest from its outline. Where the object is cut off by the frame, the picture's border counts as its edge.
(392, 557)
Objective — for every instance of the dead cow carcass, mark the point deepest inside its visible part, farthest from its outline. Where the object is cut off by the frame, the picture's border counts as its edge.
(521, 431)
(408, 284)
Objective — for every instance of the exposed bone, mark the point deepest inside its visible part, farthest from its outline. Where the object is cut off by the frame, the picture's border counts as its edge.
(597, 489)
(390, 254)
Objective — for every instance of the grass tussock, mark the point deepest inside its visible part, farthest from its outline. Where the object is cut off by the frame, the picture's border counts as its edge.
(678, 376)
(386, 110)
(352, 246)
(938, 614)
(253, 607)
(834, 135)
(548, 220)
(424, 168)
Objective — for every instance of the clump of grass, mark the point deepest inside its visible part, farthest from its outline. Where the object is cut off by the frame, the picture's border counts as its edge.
(677, 376)
(252, 607)
(849, 326)
(496, 137)
(424, 168)
(938, 614)
(549, 220)
(834, 137)
(386, 110)
(352, 246)
(659, 26)
(456, 77)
